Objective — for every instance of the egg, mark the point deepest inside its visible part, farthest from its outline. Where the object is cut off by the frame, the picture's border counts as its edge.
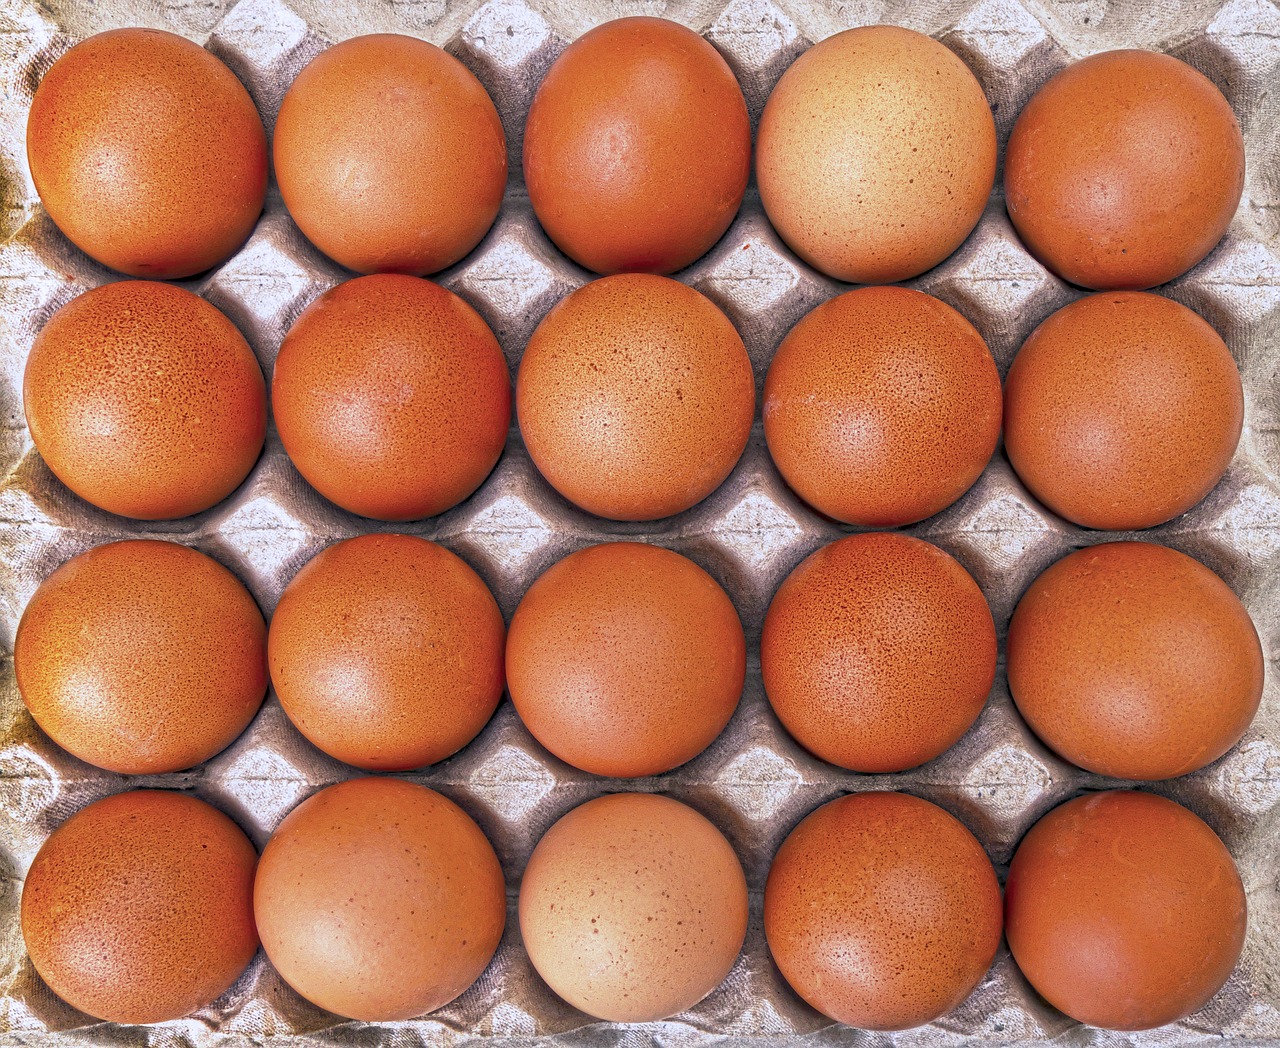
(637, 147)
(626, 659)
(876, 154)
(1124, 910)
(882, 911)
(390, 155)
(633, 907)
(878, 652)
(392, 397)
(386, 652)
(1134, 661)
(1122, 410)
(635, 397)
(139, 908)
(142, 657)
(882, 407)
(147, 153)
(1124, 170)
(379, 900)
(145, 400)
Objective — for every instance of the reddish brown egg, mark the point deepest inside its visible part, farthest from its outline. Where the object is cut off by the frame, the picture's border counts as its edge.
(882, 911)
(1124, 910)
(626, 659)
(145, 400)
(139, 908)
(1124, 170)
(379, 900)
(637, 148)
(386, 652)
(148, 153)
(392, 397)
(390, 155)
(878, 652)
(1122, 410)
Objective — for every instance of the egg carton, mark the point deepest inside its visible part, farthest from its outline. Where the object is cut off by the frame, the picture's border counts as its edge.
(754, 782)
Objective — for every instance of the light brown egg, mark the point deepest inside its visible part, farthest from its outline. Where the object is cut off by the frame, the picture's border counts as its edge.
(1122, 410)
(1135, 661)
(1124, 170)
(392, 397)
(878, 652)
(386, 652)
(882, 911)
(882, 407)
(633, 907)
(635, 397)
(148, 153)
(390, 155)
(876, 154)
(626, 659)
(1124, 910)
(379, 900)
(145, 400)
(638, 147)
(139, 908)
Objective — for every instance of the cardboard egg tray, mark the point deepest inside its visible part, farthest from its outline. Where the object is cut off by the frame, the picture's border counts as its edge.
(754, 782)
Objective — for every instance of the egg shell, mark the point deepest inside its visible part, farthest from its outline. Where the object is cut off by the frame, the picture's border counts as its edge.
(139, 908)
(633, 907)
(1124, 910)
(882, 407)
(390, 155)
(379, 900)
(147, 153)
(1124, 170)
(392, 397)
(635, 397)
(882, 911)
(638, 148)
(626, 659)
(145, 400)
(878, 652)
(1122, 410)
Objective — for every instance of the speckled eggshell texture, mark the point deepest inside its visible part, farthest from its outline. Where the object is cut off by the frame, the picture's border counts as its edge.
(1124, 910)
(633, 907)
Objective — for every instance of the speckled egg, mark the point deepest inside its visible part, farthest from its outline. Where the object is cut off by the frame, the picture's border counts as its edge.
(878, 652)
(392, 397)
(139, 908)
(1122, 410)
(1124, 910)
(633, 907)
(145, 400)
(626, 659)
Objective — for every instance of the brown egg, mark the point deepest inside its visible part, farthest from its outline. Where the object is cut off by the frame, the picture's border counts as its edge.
(876, 154)
(386, 652)
(626, 659)
(145, 400)
(635, 397)
(882, 407)
(390, 155)
(882, 911)
(878, 652)
(1124, 170)
(148, 153)
(638, 147)
(139, 908)
(1122, 410)
(379, 900)
(1135, 661)
(1124, 910)
(392, 397)
(633, 907)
